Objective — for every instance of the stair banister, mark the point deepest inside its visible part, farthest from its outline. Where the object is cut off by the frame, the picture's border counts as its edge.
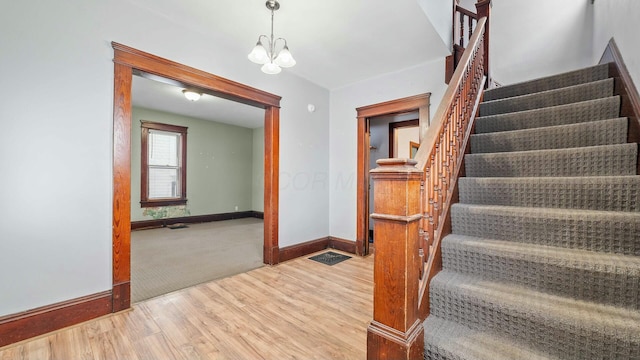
(441, 152)
(411, 201)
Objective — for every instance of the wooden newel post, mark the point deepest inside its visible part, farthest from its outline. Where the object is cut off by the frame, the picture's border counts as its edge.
(483, 9)
(396, 331)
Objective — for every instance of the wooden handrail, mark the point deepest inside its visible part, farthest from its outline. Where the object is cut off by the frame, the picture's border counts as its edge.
(466, 12)
(412, 199)
(441, 153)
(428, 142)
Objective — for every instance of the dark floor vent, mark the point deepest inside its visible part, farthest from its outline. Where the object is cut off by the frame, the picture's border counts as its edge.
(330, 258)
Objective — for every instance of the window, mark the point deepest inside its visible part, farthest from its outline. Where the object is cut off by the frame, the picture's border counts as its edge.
(164, 165)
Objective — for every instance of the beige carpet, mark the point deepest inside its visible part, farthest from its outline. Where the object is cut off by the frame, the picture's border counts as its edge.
(165, 260)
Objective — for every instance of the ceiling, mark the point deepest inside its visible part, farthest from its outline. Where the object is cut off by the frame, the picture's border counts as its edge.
(335, 42)
(161, 96)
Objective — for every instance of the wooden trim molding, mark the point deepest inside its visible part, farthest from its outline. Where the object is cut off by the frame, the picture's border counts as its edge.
(121, 218)
(27, 324)
(271, 184)
(396, 125)
(404, 105)
(144, 171)
(195, 219)
(342, 244)
(310, 247)
(625, 88)
(128, 60)
(192, 77)
(303, 249)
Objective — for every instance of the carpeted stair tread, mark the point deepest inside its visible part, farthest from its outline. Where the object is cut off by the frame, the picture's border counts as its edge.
(584, 111)
(607, 278)
(562, 327)
(610, 193)
(571, 94)
(575, 77)
(605, 231)
(620, 159)
(593, 133)
(449, 340)
(543, 259)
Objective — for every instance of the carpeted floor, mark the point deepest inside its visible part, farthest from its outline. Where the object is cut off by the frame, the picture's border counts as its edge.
(165, 260)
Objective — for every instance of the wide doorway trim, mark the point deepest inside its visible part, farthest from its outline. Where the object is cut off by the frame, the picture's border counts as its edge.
(418, 103)
(128, 61)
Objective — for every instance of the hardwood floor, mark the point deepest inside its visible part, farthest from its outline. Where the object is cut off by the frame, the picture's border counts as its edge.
(300, 309)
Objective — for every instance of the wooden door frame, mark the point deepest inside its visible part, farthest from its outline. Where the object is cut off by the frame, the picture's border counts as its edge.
(128, 60)
(397, 125)
(418, 103)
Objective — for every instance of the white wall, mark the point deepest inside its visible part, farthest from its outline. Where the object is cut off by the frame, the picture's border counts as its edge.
(428, 77)
(405, 137)
(57, 97)
(618, 19)
(439, 14)
(530, 39)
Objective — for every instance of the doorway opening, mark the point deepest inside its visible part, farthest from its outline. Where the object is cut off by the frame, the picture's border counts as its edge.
(128, 60)
(390, 136)
(217, 230)
(413, 104)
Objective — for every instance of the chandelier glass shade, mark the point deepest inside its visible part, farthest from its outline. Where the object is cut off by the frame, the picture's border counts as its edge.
(273, 54)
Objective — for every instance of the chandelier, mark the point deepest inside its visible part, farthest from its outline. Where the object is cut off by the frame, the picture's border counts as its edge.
(265, 54)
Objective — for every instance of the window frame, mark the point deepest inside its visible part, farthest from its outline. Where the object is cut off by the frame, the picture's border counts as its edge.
(144, 171)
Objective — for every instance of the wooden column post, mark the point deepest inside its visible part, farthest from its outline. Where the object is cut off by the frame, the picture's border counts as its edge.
(396, 331)
(483, 9)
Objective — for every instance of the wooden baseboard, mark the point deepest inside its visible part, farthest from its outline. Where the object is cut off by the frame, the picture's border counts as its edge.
(27, 324)
(310, 247)
(342, 244)
(121, 299)
(625, 88)
(303, 249)
(136, 225)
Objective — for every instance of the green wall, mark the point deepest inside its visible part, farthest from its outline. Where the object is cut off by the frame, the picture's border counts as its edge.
(258, 170)
(220, 165)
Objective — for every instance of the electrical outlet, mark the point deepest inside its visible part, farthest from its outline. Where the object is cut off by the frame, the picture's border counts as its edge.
(236, 207)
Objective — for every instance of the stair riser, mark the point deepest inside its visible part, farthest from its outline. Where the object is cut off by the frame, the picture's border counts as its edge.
(581, 76)
(594, 161)
(557, 137)
(599, 109)
(563, 340)
(594, 90)
(587, 193)
(442, 341)
(589, 282)
(610, 233)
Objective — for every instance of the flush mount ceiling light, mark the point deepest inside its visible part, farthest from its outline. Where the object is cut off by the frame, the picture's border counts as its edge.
(265, 53)
(191, 94)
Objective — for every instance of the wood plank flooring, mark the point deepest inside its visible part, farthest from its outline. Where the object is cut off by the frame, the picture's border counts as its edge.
(300, 309)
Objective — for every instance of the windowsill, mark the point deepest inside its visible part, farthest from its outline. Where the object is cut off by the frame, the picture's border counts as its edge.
(162, 202)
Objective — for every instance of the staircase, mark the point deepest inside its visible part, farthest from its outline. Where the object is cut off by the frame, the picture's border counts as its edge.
(544, 257)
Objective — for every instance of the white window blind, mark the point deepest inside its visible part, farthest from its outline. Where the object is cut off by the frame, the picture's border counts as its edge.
(164, 164)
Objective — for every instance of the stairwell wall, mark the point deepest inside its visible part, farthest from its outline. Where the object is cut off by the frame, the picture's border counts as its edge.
(532, 39)
(619, 20)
